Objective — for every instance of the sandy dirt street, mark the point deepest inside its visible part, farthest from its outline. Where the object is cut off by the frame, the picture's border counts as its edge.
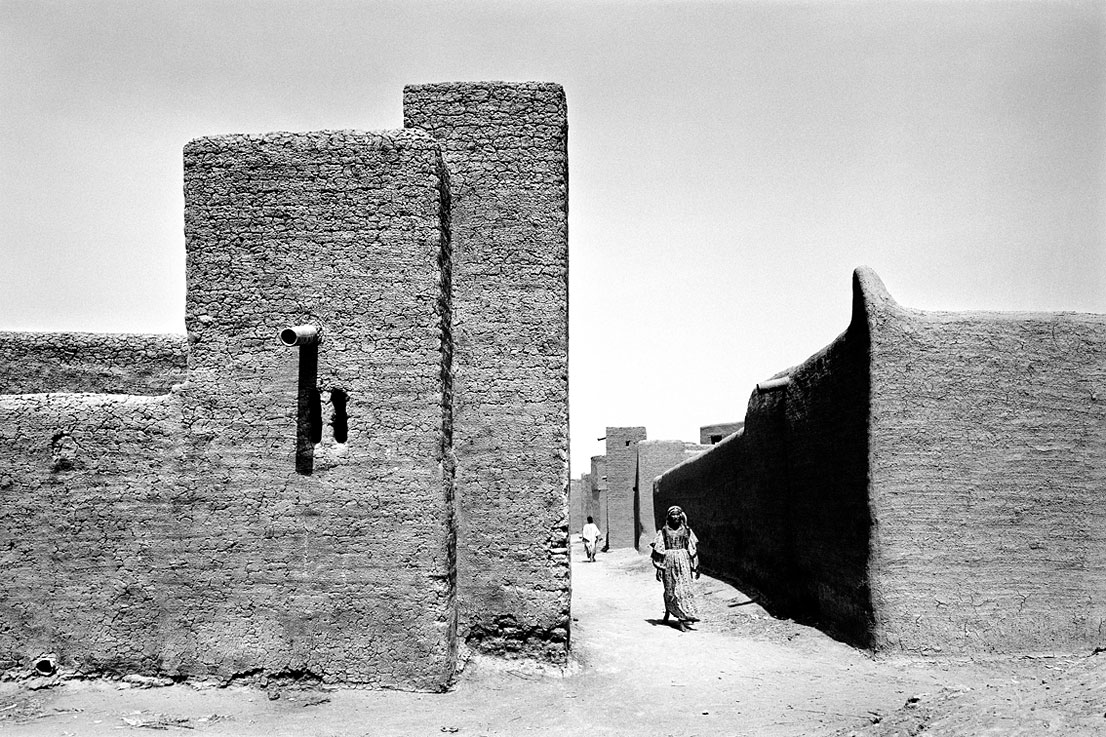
(740, 673)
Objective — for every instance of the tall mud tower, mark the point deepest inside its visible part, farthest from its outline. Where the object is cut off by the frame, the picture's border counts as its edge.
(506, 148)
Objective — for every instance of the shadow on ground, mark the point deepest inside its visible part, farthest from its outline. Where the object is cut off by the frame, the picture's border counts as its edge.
(740, 672)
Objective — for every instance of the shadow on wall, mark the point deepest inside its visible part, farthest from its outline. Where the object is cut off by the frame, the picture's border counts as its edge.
(654, 457)
(928, 480)
(782, 506)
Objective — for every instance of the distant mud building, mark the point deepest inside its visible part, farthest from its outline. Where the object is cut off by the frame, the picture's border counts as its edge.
(345, 503)
(654, 457)
(713, 434)
(625, 502)
(930, 481)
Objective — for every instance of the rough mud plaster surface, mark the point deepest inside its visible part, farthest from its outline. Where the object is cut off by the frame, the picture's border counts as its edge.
(621, 468)
(976, 507)
(825, 437)
(101, 363)
(599, 494)
(782, 506)
(654, 457)
(505, 145)
(988, 478)
(90, 520)
(173, 534)
(587, 502)
(346, 573)
(578, 494)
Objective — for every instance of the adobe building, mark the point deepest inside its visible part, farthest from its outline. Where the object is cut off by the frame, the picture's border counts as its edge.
(621, 467)
(579, 492)
(637, 463)
(712, 434)
(928, 481)
(598, 503)
(357, 460)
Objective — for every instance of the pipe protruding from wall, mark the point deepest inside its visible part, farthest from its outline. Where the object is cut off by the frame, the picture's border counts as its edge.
(299, 335)
(773, 385)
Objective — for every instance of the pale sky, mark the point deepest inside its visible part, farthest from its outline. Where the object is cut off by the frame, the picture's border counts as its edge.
(730, 162)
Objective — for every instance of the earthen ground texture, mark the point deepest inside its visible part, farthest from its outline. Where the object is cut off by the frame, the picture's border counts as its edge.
(740, 673)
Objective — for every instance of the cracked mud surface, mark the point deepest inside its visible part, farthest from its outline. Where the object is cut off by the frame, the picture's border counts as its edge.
(740, 673)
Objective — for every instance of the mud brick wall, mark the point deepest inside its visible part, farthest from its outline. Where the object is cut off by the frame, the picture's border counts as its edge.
(588, 499)
(825, 445)
(505, 145)
(578, 494)
(930, 482)
(782, 506)
(329, 555)
(599, 494)
(988, 478)
(621, 468)
(707, 433)
(32, 363)
(654, 457)
(90, 522)
(733, 510)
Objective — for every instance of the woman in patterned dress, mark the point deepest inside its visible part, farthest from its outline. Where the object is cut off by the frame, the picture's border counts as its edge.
(676, 558)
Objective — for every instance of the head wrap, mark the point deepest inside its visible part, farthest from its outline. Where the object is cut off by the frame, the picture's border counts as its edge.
(677, 511)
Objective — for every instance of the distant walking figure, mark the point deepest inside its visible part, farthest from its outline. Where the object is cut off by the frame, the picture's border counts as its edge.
(591, 535)
(676, 558)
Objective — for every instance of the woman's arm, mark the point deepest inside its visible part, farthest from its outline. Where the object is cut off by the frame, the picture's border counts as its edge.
(658, 550)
